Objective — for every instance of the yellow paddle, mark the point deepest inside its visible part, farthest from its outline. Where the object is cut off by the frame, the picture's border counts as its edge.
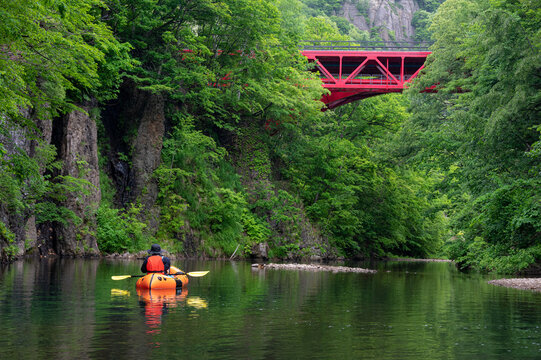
(192, 274)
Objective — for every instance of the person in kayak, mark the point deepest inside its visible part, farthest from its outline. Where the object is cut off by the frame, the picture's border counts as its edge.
(156, 262)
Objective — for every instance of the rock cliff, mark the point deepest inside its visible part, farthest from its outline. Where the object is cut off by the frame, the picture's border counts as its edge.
(21, 141)
(75, 136)
(390, 18)
(75, 184)
(135, 127)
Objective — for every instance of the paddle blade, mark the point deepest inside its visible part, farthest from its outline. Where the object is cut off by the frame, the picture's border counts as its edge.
(197, 273)
(120, 277)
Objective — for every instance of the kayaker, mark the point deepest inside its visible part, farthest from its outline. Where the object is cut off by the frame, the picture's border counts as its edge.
(156, 262)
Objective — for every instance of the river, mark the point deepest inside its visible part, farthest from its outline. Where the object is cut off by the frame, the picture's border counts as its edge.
(72, 309)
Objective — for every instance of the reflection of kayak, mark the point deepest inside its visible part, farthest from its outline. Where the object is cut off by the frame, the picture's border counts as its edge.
(168, 296)
(156, 298)
(161, 281)
(157, 302)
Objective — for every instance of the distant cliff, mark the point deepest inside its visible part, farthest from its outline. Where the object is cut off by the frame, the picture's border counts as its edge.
(391, 19)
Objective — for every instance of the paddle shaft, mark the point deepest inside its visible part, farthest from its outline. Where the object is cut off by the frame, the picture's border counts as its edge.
(192, 274)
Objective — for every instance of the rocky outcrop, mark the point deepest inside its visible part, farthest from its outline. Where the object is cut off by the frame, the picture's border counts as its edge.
(391, 18)
(147, 156)
(75, 136)
(23, 141)
(135, 127)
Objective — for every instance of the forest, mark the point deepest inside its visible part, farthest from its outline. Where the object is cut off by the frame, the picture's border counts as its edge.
(196, 124)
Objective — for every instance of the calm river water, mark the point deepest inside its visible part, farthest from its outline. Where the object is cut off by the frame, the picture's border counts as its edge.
(71, 309)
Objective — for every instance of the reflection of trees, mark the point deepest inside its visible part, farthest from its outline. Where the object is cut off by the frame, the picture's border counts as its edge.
(50, 307)
(415, 308)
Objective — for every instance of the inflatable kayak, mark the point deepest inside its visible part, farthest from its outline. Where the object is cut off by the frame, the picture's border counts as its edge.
(160, 281)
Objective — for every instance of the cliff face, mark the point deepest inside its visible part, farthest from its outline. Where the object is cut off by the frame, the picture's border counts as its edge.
(75, 136)
(147, 156)
(391, 18)
(17, 140)
(135, 127)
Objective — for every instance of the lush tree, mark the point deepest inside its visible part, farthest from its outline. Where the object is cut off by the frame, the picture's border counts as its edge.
(481, 127)
(421, 21)
(327, 7)
(52, 54)
(322, 28)
(221, 65)
(338, 167)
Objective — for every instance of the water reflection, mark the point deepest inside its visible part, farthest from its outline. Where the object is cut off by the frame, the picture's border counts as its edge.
(73, 310)
(158, 303)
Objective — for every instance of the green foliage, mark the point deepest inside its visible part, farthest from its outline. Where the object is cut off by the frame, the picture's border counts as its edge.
(359, 35)
(120, 231)
(421, 22)
(10, 252)
(285, 251)
(197, 188)
(292, 20)
(483, 138)
(282, 210)
(338, 168)
(29, 188)
(52, 55)
(501, 229)
(233, 44)
(49, 211)
(429, 5)
(256, 229)
(323, 28)
(363, 6)
(226, 210)
(344, 26)
(328, 7)
(49, 50)
(6, 235)
(497, 258)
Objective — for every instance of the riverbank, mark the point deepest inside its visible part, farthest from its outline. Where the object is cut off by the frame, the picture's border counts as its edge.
(311, 267)
(420, 260)
(533, 284)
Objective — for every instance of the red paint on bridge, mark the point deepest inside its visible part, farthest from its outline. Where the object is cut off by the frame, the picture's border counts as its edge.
(357, 74)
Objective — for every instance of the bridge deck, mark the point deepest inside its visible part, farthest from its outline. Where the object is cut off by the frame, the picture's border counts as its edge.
(365, 45)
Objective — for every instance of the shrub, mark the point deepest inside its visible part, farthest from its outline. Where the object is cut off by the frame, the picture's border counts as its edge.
(120, 231)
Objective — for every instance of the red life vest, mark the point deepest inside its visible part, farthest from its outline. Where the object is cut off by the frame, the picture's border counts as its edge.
(155, 264)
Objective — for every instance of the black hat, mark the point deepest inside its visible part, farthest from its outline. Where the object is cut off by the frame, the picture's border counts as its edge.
(155, 249)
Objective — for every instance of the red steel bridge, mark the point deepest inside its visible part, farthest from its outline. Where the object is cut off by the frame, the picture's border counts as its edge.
(357, 70)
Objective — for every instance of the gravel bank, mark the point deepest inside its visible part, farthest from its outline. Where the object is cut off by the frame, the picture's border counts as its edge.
(420, 260)
(523, 284)
(309, 267)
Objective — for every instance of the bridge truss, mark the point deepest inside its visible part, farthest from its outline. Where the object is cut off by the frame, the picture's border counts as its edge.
(353, 72)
